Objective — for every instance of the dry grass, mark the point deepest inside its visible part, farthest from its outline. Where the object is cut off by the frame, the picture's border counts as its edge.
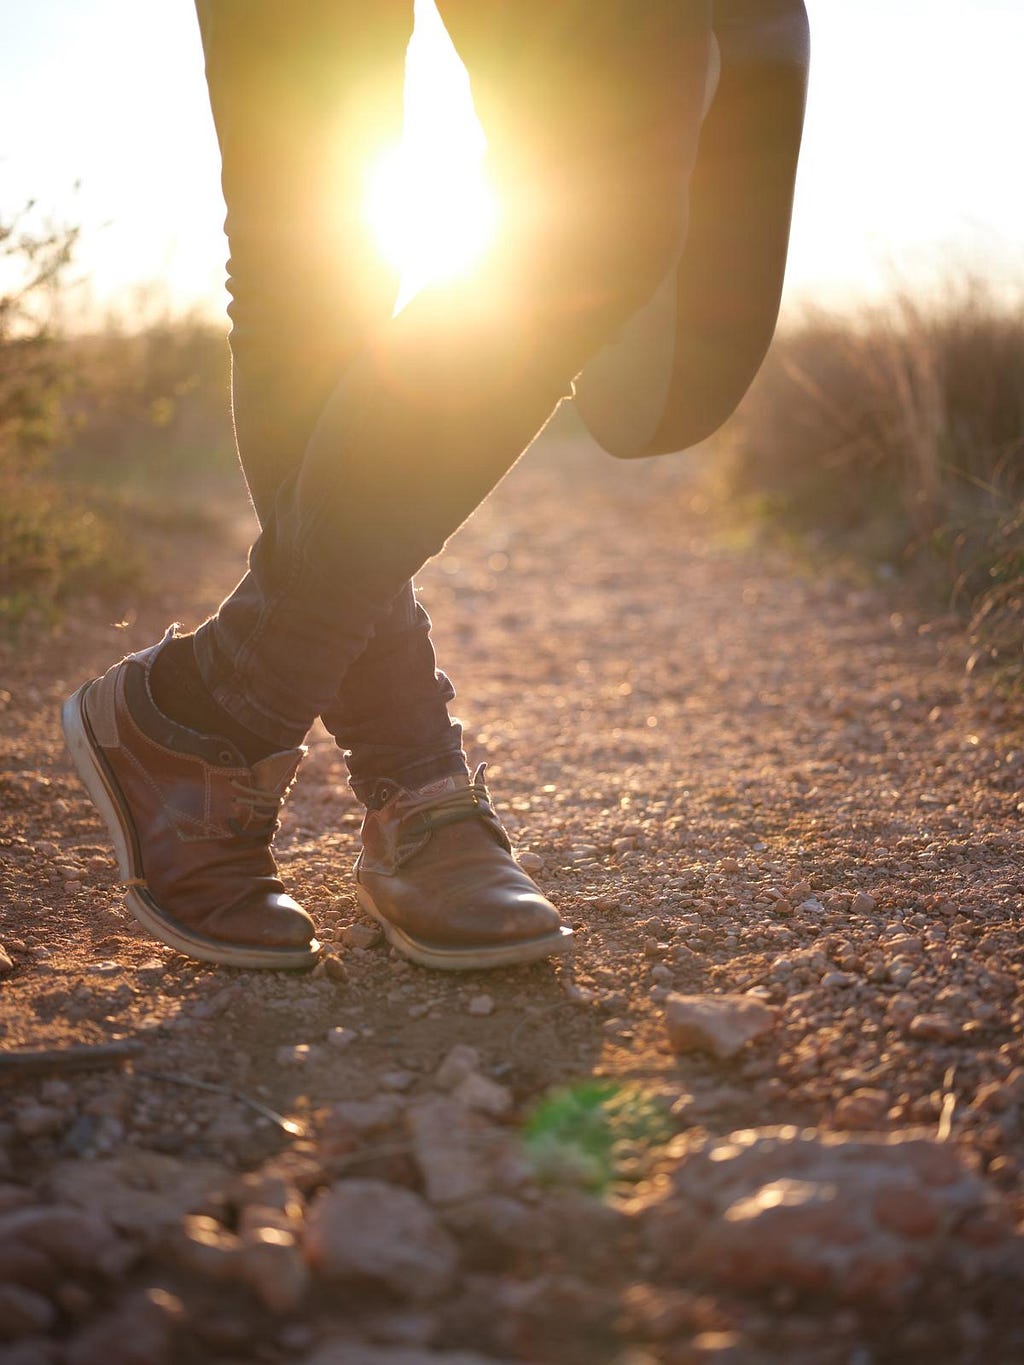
(898, 434)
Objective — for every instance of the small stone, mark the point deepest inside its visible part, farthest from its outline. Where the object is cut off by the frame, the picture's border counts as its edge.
(606, 904)
(934, 1028)
(39, 1120)
(662, 975)
(530, 862)
(579, 995)
(451, 1148)
(480, 1005)
(862, 904)
(295, 1054)
(397, 1080)
(361, 935)
(366, 1116)
(459, 1062)
(6, 962)
(839, 980)
(334, 969)
(717, 1024)
(863, 1109)
(484, 1095)
(730, 865)
(272, 1266)
(366, 1230)
(339, 1037)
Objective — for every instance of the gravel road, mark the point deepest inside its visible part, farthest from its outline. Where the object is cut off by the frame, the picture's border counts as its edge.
(772, 1111)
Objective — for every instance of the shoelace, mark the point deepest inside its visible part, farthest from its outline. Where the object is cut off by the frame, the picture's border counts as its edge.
(427, 813)
(261, 802)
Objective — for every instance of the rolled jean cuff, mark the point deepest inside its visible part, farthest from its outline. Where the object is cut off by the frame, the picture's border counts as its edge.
(411, 775)
(226, 685)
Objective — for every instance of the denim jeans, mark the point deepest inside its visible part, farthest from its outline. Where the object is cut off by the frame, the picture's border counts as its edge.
(367, 440)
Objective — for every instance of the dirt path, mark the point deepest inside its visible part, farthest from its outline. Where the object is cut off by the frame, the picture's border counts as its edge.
(733, 777)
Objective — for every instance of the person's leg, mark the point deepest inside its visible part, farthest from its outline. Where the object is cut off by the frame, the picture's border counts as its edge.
(592, 112)
(303, 97)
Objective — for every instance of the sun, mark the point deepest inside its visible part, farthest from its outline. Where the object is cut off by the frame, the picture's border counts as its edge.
(429, 203)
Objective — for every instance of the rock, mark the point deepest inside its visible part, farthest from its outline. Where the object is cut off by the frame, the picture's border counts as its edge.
(143, 1193)
(841, 981)
(364, 1116)
(530, 862)
(140, 1331)
(717, 1024)
(358, 1353)
(461, 1061)
(23, 1312)
(865, 1219)
(271, 1264)
(484, 1095)
(73, 1240)
(204, 1247)
(360, 935)
(863, 904)
(6, 961)
(864, 1108)
(334, 969)
(495, 1228)
(39, 1120)
(368, 1231)
(340, 1038)
(459, 1154)
(297, 1054)
(934, 1028)
(480, 1005)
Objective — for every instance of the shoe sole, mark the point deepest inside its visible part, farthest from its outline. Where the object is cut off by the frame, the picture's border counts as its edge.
(106, 795)
(466, 959)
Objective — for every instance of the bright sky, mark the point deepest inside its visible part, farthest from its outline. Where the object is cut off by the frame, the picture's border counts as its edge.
(912, 149)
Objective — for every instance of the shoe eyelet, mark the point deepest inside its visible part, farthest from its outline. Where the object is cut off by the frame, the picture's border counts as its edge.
(225, 756)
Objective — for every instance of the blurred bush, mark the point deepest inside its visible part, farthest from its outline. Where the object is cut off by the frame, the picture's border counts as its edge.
(898, 434)
(102, 437)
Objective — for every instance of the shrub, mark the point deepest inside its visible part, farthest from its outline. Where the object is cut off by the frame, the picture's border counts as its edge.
(899, 432)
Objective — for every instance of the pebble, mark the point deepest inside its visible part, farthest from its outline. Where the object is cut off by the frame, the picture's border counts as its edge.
(863, 1109)
(717, 1024)
(459, 1062)
(39, 1120)
(340, 1037)
(484, 1095)
(839, 980)
(530, 862)
(361, 935)
(6, 961)
(333, 968)
(480, 1006)
(862, 904)
(398, 1080)
(934, 1028)
(295, 1054)
(369, 1231)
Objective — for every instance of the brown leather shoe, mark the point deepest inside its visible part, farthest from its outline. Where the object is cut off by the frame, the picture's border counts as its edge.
(437, 873)
(191, 822)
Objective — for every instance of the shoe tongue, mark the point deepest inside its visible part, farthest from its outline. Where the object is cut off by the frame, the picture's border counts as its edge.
(274, 772)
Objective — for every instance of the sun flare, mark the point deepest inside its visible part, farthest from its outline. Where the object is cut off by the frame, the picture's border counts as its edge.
(429, 203)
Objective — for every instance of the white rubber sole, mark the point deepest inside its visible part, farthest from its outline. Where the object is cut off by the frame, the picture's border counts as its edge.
(466, 959)
(103, 789)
